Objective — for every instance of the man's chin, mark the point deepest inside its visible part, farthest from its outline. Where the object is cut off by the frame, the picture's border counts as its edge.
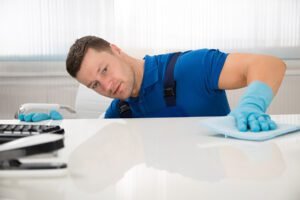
(122, 97)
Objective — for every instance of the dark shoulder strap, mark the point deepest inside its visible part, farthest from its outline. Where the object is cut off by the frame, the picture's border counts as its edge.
(169, 89)
(169, 82)
(124, 109)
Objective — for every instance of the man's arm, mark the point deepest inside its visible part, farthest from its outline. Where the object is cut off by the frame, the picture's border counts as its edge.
(240, 70)
(263, 76)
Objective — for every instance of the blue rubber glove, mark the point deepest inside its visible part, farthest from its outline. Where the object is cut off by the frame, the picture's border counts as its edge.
(37, 117)
(250, 113)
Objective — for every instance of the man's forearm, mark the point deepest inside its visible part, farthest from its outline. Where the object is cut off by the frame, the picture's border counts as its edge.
(267, 69)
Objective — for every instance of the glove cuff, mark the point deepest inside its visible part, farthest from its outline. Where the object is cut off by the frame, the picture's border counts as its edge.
(258, 94)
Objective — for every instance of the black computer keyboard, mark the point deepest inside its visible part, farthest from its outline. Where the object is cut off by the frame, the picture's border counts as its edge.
(9, 132)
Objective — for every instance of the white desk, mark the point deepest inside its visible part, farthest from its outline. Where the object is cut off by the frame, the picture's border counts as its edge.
(165, 159)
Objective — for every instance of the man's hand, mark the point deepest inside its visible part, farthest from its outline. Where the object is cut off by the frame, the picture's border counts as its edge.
(249, 118)
(37, 117)
(250, 113)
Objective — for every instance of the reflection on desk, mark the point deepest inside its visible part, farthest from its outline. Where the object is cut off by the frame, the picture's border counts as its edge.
(177, 153)
(165, 159)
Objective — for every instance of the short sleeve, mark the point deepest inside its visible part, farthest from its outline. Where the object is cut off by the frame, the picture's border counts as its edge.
(214, 61)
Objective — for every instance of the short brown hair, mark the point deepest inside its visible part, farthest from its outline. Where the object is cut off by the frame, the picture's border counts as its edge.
(78, 50)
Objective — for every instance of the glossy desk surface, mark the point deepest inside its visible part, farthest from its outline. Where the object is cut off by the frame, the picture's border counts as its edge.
(163, 159)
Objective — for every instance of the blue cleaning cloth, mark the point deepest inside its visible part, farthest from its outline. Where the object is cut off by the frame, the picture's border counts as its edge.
(226, 126)
(33, 117)
(40, 117)
(27, 118)
(55, 115)
(37, 117)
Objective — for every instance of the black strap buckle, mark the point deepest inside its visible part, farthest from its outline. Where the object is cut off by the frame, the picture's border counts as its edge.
(169, 92)
(124, 109)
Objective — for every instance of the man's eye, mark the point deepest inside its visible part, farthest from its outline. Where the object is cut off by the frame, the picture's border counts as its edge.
(95, 85)
(104, 70)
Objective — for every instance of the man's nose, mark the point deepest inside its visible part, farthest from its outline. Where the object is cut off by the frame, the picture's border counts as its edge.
(107, 86)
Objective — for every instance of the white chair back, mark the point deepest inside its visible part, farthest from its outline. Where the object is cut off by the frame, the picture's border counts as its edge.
(90, 104)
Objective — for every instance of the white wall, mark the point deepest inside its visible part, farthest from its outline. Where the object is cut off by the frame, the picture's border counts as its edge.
(41, 91)
(34, 82)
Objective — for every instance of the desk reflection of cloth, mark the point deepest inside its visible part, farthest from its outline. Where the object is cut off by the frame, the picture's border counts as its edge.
(226, 126)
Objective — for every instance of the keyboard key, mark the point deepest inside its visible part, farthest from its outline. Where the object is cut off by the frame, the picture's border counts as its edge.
(26, 128)
(3, 127)
(10, 127)
(18, 128)
(50, 129)
(25, 133)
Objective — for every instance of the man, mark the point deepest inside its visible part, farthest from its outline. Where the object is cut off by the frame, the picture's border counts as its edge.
(200, 78)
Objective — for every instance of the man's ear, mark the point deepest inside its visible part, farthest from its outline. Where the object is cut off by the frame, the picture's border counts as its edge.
(115, 49)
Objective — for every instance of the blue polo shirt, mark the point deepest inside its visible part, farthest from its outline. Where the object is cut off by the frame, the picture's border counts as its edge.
(197, 94)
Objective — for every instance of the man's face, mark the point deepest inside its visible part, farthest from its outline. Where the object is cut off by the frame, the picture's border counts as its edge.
(107, 73)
